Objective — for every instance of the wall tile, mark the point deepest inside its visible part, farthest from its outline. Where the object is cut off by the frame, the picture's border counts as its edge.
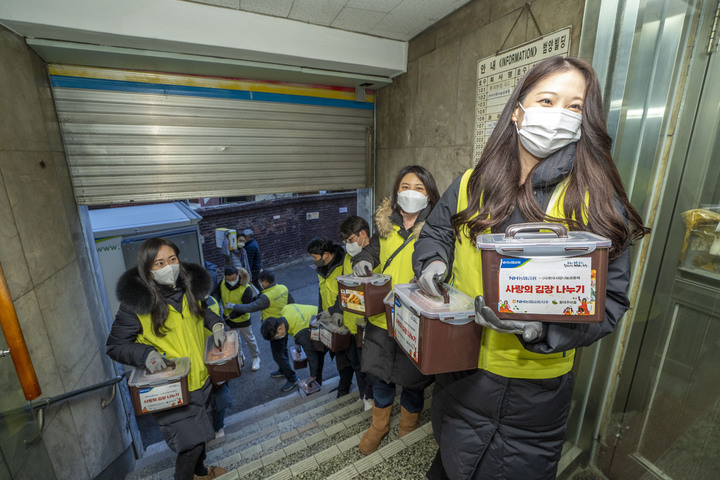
(21, 125)
(69, 326)
(401, 106)
(40, 218)
(435, 104)
(62, 440)
(12, 256)
(445, 163)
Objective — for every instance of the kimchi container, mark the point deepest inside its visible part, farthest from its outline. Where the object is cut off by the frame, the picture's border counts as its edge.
(389, 302)
(335, 341)
(154, 392)
(224, 363)
(438, 337)
(558, 276)
(363, 295)
(298, 356)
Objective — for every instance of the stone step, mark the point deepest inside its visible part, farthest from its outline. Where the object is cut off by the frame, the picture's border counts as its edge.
(286, 416)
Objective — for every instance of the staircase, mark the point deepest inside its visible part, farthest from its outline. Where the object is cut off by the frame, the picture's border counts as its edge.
(306, 438)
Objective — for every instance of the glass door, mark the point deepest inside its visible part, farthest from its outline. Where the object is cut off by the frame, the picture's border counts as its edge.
(669, 425)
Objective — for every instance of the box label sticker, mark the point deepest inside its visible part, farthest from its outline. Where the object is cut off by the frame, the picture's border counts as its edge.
(407, 329)
(547, 286)
(326, 337)
(161, 397)
(352, 300)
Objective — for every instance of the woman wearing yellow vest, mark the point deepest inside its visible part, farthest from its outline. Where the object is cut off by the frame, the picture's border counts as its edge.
(399, 219)
(548, 159)
(163, 315)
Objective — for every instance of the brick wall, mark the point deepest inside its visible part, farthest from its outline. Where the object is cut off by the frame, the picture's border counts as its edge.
(281, 226)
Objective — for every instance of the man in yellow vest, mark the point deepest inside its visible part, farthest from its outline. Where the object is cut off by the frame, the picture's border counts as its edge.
(235, 289)
(270, 303)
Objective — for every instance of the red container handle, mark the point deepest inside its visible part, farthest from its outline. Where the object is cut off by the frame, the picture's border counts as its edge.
(559, 229)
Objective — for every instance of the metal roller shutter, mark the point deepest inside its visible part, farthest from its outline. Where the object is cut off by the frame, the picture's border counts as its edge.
(138, 137)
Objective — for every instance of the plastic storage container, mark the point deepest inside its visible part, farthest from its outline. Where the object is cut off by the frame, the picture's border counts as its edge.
(298, 357)
(363, 295)
(335, 339)
(223, 364)
(389, 302)
(154, 392)
(551, 277)
(438, 337)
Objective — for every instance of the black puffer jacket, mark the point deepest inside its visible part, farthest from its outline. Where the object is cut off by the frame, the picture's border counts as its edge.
(136, 298)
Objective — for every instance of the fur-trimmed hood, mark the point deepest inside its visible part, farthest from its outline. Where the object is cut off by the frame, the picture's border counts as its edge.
(137, 296)
(243, 279)
(385, 218)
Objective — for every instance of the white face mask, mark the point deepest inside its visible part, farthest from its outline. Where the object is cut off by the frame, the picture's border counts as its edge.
(412, 201)
(353, 249)
(232, 283)
(167, 275)
(547, 130)
(240, 244)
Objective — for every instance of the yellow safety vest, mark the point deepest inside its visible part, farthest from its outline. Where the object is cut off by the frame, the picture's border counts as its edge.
(185, 337)
(298, 316)
(329, 287)
(400, 269)
(233, 296)
(278, 296)
(502, 353)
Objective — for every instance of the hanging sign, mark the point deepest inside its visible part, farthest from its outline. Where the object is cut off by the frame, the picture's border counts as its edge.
(498, 75)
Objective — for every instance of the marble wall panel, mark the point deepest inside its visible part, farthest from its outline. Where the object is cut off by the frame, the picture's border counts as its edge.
(69, 326)
(393, 160)
(39, 215)
(102, 437)
(401, 105)
(21, 125)
(47, 113)
(497, 10)
(12, 257)
(557, 14)
(445, 163)
(470, 18)
(61, 438)
(382, 117)
(435, 108)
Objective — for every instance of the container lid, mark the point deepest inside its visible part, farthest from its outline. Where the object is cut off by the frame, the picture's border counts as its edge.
(526, 239)
(461, 306)
(178, 369)
(354, 280)
(229, 350)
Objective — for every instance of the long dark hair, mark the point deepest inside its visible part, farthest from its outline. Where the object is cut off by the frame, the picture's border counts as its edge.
(425, 177)
(159, 313)
(496, 177)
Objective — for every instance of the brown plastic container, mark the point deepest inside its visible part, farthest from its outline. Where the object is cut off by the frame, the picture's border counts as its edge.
(298, 357)
(438, 337)
(163, 390)
(223, 364)
(389, 302)
(359, 336)
(364, 295)
(547, 277)
(317, 345)
(335, 341)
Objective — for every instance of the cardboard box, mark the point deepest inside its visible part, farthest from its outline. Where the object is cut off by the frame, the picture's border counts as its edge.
(220, 236)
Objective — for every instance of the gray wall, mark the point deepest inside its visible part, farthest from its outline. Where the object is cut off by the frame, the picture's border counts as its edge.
(43, 254)
(426, 116)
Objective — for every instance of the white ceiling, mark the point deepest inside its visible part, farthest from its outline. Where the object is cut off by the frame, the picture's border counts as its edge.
(395, 19)
(360, 43)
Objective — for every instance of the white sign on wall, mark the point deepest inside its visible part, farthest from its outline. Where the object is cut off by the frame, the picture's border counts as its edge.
(498, 75)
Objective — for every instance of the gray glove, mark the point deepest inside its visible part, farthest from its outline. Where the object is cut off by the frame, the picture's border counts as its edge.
(337, 319)
(218, 335)
(155, 362)
(431, 277)
(485, 317)
(363, 268)
(324, 316)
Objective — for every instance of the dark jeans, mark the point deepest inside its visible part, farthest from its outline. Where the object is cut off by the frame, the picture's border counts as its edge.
(221, 402)
(190, 463)
(316, 360)
(384, 394)
(280, 355)
(348, 362)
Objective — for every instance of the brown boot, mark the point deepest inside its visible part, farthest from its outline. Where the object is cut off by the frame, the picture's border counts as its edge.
(379, 428)
(408, 422)
(213, 472)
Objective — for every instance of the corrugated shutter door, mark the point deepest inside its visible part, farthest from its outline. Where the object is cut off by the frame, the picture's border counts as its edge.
(136, 137)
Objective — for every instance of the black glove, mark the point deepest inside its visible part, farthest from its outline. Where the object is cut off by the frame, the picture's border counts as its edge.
(485, 317)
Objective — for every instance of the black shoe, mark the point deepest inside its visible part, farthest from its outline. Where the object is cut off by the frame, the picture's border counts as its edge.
(277, 374)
